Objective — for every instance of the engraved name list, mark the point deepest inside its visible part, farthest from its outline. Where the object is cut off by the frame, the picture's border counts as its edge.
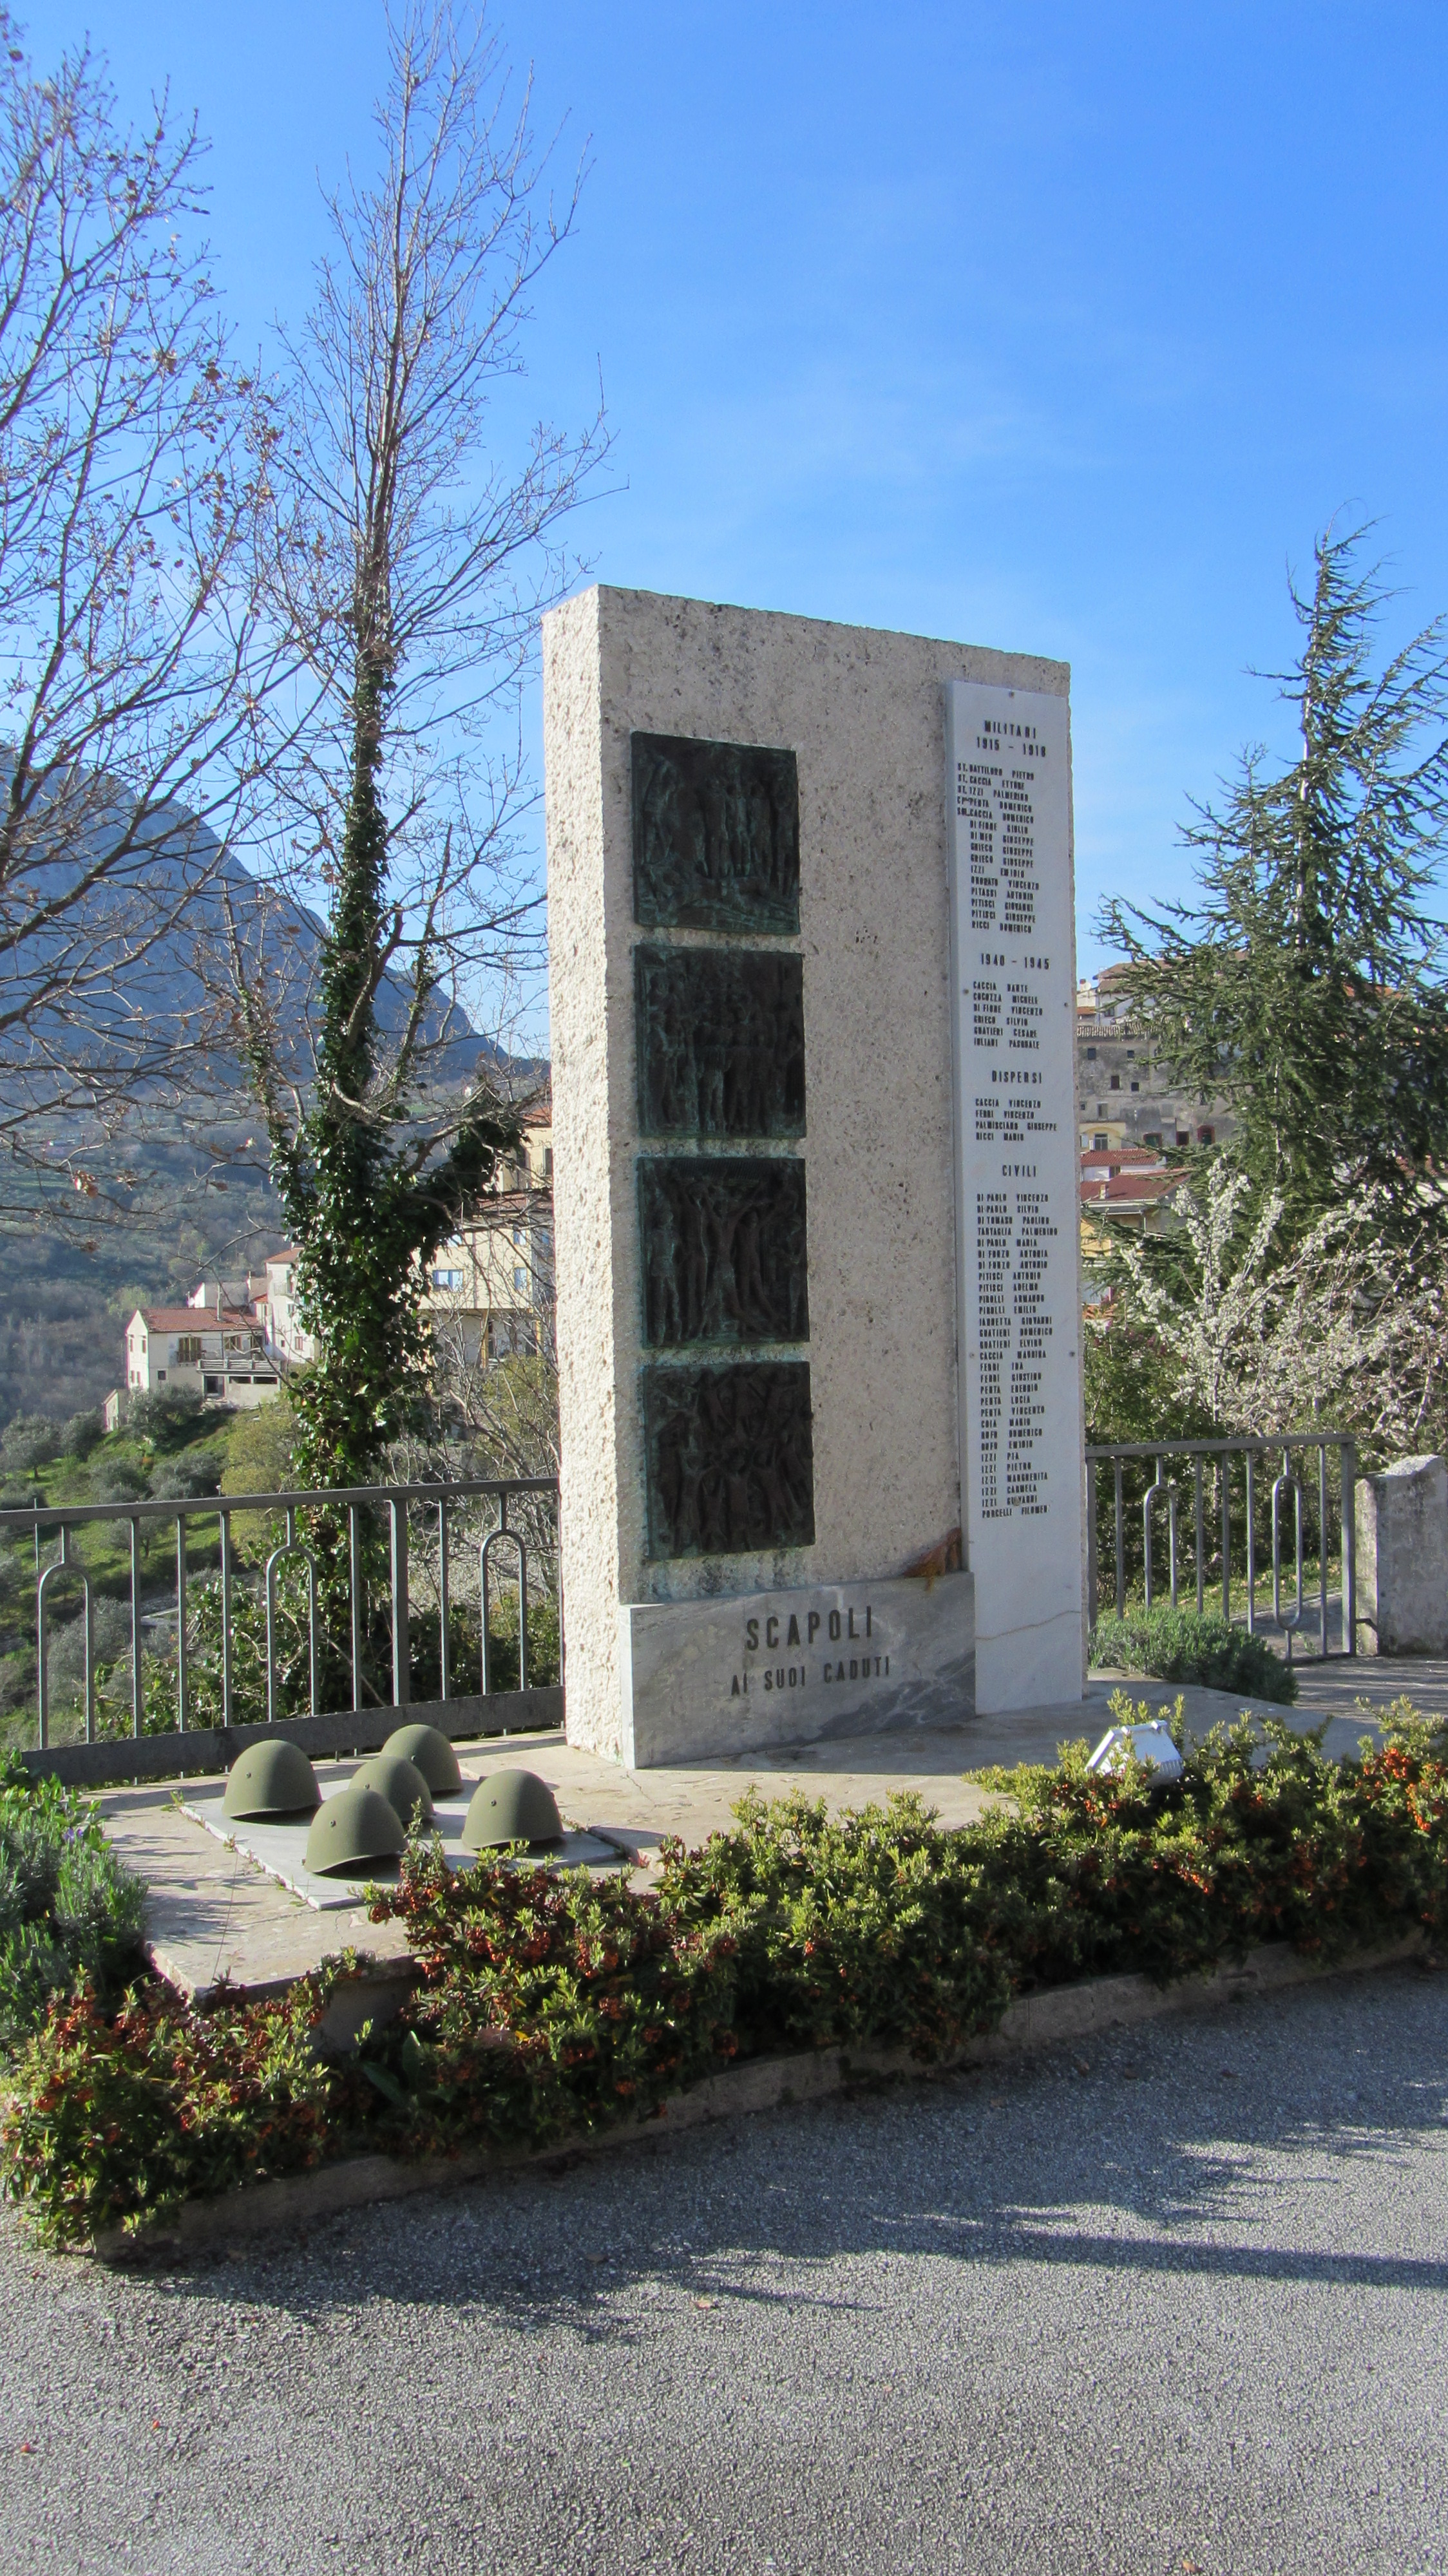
(1013, 959)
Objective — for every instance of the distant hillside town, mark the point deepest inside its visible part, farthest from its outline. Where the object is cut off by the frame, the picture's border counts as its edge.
(489, 1289)
(1131, 1116)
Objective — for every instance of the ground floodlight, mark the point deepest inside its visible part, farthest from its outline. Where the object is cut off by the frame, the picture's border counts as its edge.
(511, 1807)
(271, 1779)
(429, 1749)
(353, 1831)
(1151, 1744)
(400, 1783)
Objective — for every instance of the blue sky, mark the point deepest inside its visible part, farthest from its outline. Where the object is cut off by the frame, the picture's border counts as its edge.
(1060, 329)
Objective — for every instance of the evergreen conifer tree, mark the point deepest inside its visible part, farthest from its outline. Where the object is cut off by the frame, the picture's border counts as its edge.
(1305, 985)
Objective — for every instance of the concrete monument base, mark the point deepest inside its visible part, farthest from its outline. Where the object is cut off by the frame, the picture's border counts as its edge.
(1402, 1559)
(731, 1675)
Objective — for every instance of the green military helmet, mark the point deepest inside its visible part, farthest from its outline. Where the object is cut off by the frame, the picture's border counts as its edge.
(511, 1807)
(273, 1778)
(434, 1757)
(401, 1784)
(353, 1831)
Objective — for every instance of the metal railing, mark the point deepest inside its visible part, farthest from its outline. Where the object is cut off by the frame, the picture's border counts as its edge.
(410, 1510)
(1217, 1462)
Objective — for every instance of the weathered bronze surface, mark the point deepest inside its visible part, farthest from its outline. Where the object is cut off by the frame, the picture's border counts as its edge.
(720, 1042)
(723, 1250)
(715, 835)
(730, 1458)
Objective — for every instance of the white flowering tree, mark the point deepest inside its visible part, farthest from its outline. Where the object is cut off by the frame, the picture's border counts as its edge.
(1347, 1326)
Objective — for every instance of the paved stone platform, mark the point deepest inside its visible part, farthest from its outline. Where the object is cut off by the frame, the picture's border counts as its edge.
(214, 1916)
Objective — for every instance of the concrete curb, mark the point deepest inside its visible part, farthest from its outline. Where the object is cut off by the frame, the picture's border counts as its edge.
(763, 2084)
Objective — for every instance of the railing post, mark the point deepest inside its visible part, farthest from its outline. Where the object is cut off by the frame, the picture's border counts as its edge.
(1162, 1485)
(442, 1599)
(181, 1666)
(354, 1577)
(1251, 1551)
(401, 1638)
(1224, 1473)
(1091, 1564)
(1286, 1483)
(137, 1696)
(224, 1519)
(1347, 1456)
(1120, 1544)
(1200, 1542)
(1322, 1548)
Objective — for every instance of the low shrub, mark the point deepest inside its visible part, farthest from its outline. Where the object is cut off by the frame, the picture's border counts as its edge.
(1193, 1646)
(551, 2005)
(66, 1903)
(121, 2113)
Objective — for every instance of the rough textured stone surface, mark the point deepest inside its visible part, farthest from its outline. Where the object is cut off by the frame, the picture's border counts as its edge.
(1402, 1559)
(862, 712)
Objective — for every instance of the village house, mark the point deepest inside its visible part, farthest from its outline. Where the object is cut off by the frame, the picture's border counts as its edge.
(1123, 1095)
(214, 1344)
(489, 1288)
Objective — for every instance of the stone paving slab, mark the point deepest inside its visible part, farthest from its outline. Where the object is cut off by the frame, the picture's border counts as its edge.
(214, 1915)
(279, 1846)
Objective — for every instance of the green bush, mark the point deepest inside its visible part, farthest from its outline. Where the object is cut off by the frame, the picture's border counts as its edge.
(1192, 1646)
(66, 1903)
(550, 2004)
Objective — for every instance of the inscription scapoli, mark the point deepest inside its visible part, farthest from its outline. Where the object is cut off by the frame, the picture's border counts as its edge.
(1013, 974)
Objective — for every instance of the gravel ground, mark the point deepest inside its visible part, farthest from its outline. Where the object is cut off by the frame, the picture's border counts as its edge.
(1179, 2308)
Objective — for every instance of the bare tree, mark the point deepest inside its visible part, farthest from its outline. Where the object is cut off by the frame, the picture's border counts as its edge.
(409, 571)
(134, 660)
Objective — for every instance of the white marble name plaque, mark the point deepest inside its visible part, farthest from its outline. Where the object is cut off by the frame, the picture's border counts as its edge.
(729, 1675)
(1013, 962)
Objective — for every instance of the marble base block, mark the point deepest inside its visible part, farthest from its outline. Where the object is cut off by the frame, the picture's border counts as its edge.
(724, 1676)
(1402, 1559)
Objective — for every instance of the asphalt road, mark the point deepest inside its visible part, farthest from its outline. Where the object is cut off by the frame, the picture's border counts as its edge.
(1183, 2310)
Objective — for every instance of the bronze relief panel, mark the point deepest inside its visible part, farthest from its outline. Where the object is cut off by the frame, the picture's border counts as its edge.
(715, 835)
(724, 1250)
(720, 1035)
(729, 1458)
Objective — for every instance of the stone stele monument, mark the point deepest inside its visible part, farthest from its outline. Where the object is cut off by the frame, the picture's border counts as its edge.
(812, 989)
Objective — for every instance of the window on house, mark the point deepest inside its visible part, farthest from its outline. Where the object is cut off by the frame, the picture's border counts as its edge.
(1116, 1082)
(1100, 1143)
(1152, 1136)
(1183, 1136)
(447, 1279)
(547, 1162)
(1136, 1086)
(1091, 1055)
(518, 1236)
(520, 1282)
(160, 1377)
(1131, 1055)
(1206, 1136)
(212, 1386)
(188, 1350)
